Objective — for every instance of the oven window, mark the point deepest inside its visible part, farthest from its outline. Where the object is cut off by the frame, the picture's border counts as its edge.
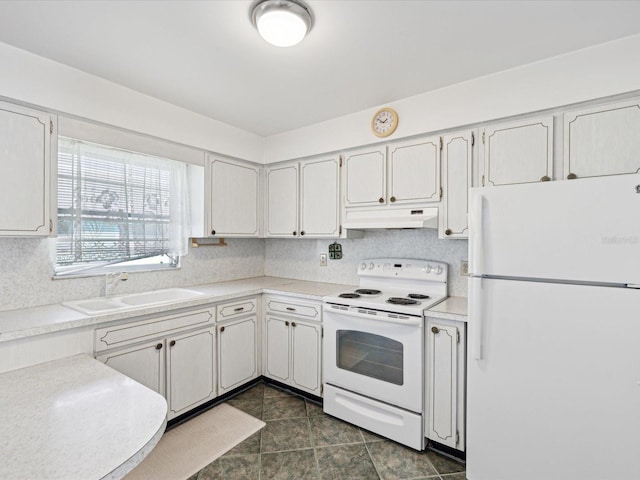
(371, 355)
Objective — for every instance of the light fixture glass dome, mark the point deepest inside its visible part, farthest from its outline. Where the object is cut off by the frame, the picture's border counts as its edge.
(282, 23)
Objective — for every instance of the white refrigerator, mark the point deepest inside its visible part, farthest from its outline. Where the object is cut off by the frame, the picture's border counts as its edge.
(553, 373)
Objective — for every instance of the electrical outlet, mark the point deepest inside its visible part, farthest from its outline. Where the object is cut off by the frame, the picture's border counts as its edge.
(464, 267)
(323, 259)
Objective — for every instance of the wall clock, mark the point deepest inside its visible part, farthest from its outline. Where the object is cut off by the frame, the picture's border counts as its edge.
(384, 122)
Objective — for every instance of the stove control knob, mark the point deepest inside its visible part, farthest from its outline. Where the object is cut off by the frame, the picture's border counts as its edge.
(371, 265)
(363, 266)
(428, 268)
(438, 270)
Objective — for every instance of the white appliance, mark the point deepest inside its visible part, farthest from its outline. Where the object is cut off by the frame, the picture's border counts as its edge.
(553, 376)
(373, 347)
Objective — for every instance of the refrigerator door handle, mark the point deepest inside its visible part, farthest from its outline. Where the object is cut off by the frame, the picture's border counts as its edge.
(476, 317)
(476, 240)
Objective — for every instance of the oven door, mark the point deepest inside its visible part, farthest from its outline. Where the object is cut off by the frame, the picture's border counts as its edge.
(380, 358)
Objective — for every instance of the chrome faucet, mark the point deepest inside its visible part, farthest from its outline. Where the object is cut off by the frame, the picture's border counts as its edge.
(112, 280)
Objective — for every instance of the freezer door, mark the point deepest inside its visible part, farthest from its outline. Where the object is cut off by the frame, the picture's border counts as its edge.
(583, 230)
(555, 394)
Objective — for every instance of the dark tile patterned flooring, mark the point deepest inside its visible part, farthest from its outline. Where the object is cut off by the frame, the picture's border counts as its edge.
(301, 442)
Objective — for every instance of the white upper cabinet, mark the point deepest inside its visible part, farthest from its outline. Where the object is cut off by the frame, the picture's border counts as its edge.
(282, 201)
(457, 158)
(233, 192)
(25, 171)
(365, 177)
(414, 175)
(320, 198)
(402, 173)
(302, 199)
(518, 152)
(603, 140)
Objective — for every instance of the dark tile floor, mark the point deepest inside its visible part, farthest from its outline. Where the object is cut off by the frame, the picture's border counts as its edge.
(301, 442)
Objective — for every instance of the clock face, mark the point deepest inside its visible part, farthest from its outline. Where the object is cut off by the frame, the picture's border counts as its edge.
(384, 122)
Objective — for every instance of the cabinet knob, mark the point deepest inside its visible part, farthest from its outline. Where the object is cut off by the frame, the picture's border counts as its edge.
(286, 323)
(213, 232)
(381, 200)
(572, 176)
(291, 309)
(239, 309)
(545, 179)
(221, 329)
(447, 231)
(293, 324)
(294, 233)
(392, 199)
(172, 343)
(158, 346)
(302, 232)
(435, 329)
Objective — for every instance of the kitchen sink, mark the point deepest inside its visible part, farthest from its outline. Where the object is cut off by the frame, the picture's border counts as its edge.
(132, 301)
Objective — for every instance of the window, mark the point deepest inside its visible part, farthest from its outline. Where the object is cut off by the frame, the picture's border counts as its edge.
(118, 207)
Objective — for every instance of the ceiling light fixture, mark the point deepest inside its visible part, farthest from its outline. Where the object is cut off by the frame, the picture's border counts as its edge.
(283, 23)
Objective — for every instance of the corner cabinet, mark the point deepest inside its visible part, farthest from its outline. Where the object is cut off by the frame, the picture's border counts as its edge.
(602, 140)
(445, 382)
(302, 199)
(232, 192)
(237, 343)
(26, 138)
(517, 152)
(400, 173)
(173, 355)
(292, 343)
(457, 162)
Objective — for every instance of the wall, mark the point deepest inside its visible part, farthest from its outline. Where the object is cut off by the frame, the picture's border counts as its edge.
(25, 279)
(300, 259)
(604, 70)
(36, 80)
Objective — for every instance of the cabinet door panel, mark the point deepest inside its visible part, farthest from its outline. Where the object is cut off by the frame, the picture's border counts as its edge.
(233, 198)
(143, 363)
(277, 349)
(518, 152)
(305, 356)
(237, 353)
(414, 174)
(282, 201)
(319, 199)
(365, 177)
(603, 140)
(442, 401)
(456, 174)
(24, 171)
(191, 370)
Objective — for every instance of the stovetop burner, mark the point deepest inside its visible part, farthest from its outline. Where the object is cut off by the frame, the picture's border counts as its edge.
(368, 291)
(401, 301)
(418, 296)
(349, 295)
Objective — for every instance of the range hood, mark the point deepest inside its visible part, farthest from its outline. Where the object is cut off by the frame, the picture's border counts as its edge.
(391, 218)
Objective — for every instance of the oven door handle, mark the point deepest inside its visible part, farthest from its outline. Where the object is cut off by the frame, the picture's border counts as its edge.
(409, 322)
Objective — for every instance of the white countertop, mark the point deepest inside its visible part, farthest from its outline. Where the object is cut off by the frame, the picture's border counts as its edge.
(27, 322)
(453, 308)
(76, 419)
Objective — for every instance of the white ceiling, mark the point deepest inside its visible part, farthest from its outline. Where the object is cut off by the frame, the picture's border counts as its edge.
(206, 56)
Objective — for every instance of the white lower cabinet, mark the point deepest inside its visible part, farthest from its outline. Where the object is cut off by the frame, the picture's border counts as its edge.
(292, 353)
(445, 382)
(237, 352)
(172, 355)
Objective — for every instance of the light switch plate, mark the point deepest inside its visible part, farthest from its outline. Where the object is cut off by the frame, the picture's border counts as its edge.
(323, 259)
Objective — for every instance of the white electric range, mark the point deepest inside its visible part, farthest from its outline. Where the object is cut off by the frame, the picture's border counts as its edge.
(373, 347)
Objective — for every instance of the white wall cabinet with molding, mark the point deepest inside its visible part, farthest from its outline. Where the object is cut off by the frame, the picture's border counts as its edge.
(27, 139)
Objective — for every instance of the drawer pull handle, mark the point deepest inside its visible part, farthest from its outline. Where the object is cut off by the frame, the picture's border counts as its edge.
(221, 329)
(158, 346)
(291, 309)
(239, 309)
(172, 343)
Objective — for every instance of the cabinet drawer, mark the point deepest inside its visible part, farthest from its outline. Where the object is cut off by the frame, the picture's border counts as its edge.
(128, 333)
(299, 309)
(235, 309)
